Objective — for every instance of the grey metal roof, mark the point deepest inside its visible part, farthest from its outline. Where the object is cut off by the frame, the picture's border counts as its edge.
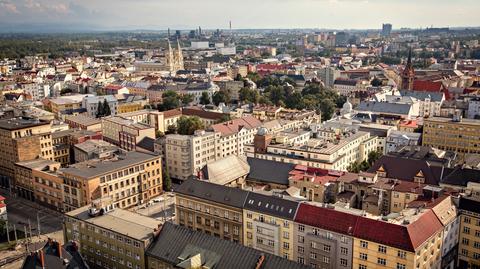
(176, 241)
(93, 168)
(271, 205)
(213, 192)
(269, 171)
(422, 95)
(383, 107)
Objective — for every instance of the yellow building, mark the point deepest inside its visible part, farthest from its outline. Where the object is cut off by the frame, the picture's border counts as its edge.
(64, 103)
(22, 139)
(403, 193)
(125, 133)
(469, 241)
(461, 135)
(414, 243)
(130, 179)
(268, 224)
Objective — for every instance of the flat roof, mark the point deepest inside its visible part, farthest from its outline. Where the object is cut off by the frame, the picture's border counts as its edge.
(449, 120)
(97, 167)
(21, 123)
(120, 221)
(83, 120)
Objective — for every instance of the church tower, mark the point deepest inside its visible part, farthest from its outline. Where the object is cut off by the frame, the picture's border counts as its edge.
(408, 74)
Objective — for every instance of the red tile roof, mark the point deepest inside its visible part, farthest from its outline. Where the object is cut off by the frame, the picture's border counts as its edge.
(430, 86)
(233, 126)
(193, 111)
(172, 113)
(406, 237)
(316, 175)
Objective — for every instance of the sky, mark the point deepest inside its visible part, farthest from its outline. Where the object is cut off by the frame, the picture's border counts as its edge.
(244, 14)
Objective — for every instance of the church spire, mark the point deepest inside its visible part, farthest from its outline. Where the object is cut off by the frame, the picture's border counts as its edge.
(409, 61)
(408, 74)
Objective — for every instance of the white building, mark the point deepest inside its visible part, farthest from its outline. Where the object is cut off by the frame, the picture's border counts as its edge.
(197, 89)
(473, 108)
(226, 50)
(90, 103)
(429, 102)
(398, 139)
(197, 45)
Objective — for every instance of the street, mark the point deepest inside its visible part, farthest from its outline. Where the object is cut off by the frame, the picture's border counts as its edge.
(161, 209)
(21, 211)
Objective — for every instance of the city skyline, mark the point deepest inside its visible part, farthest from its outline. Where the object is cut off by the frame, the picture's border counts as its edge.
(51, 15)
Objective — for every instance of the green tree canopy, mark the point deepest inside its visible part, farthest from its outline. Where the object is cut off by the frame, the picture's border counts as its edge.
(205, 98)
(106, 108)
(247, 95)
(187, 99)
(188, 125)
(221, 97)
(170, 100)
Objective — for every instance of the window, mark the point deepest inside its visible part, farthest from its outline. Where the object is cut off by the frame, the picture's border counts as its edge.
(326, 259)
(301, 239)
(361, 266)
(286, 235)
(301, 249)
(467, 220)
(286, 245)
(344, 251)
(326, 248)
(401, 266)
(313, 245)
(464, 252)
(363, 256)
(476, 244)
(313, 255)
(363, 244)
(466, 230)
(301, 260)
(382, 261)
(343, 262)
(382, 249)
(402, 254)
(301, 228)
(465, 241)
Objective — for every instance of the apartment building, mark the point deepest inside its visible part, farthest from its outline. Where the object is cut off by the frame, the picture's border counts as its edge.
(179, 247)
(211, 209)
(84, 122)
(64, 104)
(125, 133)
(269, 224)
(152, 118)
(185, 155)
(129, 178)
(110, 237)
(235, 134)
(321, 240)
(91, 104)
(334, 154)
(61, 147)
(459, 135)
(37, 180)
(22, 139)
(469, 240)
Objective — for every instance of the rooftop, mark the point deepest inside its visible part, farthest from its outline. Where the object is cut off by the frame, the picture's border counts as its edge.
(97, 167)
(121, 221)
(450, 120)
(83, 120)
(21, 123)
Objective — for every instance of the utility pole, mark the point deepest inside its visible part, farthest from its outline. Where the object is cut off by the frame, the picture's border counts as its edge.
(38, 223)
(15, 232)
(8, 232)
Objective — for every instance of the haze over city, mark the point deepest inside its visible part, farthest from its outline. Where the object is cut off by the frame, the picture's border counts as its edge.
(45, 15)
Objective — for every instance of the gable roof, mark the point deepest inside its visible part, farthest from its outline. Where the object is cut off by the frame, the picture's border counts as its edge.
(234, 126)
(406, 237)
(406, 169)
(271, 205)
(226, 170)
(384, 107)
(175, 241)
(213, 192)
(267, 171)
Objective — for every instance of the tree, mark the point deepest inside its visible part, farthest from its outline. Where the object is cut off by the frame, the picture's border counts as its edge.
(224, 118)
(373, 156)
(275, 94)
(327, 107)
(205, 98)
(188, 125)
(172, 129)
(248, 95)
(238, 77)
(159, 133)
(376, 82)
(187, 99)
(221, 97)
(295, 101)
(99, 110)
(106, 108)
(167, 181)
(170, 100)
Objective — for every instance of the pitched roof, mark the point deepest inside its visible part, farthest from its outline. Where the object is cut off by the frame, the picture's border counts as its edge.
(460, 176)
(406, 169)
(234, 126)
(469, 204)
(267, 171)
(176, 241)
(213, 192)
(192, 111)
(271, 205)
(226, 170)
(384, 107)
(406, 237)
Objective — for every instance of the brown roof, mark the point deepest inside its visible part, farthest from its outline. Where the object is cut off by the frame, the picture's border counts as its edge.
(172, 113)
(233, 126)
(190, 111)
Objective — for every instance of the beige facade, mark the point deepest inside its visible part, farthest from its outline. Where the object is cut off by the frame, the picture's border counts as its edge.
(461, 136)
(129, 179)
(185, 155)
(115, 239)
(22, 139)
(125, 133)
